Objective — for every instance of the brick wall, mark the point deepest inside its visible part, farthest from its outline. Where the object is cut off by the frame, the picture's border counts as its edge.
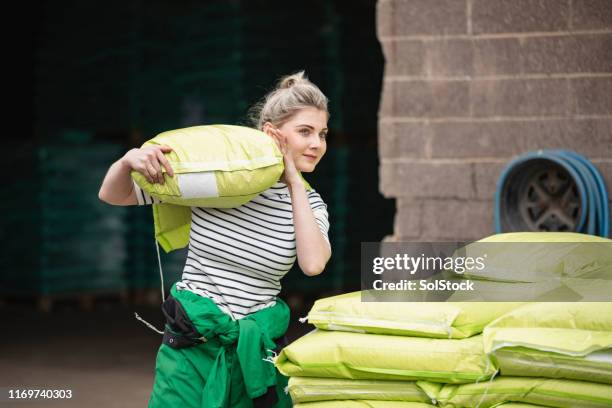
(469, 84)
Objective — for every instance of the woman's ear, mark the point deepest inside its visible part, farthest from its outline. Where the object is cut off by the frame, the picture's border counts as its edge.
(267, 129)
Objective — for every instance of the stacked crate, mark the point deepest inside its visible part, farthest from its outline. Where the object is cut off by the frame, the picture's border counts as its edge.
(20, 222)
(59, 239)
(82, 239)
(142, 263)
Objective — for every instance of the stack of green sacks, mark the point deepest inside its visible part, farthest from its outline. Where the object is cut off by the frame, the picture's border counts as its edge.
(551, 354)
(556, 354)
(372, 353)
(452, 354)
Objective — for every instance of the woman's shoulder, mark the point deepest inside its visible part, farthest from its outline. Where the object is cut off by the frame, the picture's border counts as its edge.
(315, 200)
(280, 192)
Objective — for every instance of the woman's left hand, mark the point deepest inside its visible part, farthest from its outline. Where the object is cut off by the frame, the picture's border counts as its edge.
(291, 174)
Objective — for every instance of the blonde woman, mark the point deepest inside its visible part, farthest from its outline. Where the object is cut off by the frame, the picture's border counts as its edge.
(224, 320)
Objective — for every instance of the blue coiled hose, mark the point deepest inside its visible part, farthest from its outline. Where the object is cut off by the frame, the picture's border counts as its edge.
(595, 215)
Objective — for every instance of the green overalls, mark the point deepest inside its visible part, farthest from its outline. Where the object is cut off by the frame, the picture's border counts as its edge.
(209, 360)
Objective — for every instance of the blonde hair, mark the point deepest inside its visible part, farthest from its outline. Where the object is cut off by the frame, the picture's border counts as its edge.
(292, 93)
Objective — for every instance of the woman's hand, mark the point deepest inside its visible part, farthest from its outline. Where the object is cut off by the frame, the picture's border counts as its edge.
(313, 251)
(148, 161)
(291, 174)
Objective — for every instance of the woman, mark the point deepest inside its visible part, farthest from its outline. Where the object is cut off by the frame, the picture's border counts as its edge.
(225, 306)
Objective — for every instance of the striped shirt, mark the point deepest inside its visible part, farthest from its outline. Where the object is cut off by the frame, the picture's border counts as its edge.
(237, 256)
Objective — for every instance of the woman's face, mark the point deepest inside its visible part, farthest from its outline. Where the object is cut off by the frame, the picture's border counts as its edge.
(306, 133)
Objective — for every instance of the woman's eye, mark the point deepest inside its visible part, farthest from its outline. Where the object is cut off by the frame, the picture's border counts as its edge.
(323, 135)
(304, 131)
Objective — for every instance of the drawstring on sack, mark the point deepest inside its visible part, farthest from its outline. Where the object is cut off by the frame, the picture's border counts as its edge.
(161, 274)
(270, 359)
(163, 292)
(149, 325)
(484, 394)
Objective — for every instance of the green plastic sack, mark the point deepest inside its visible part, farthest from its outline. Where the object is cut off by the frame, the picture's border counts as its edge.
(557, 340)
(540, 391)
(219, 166)
(570, 328)
(531, 258)
(551, 290)
(363, 404)
(523, 361)
(215, 166)
(347, 312)
(335, 354)
(308, 389)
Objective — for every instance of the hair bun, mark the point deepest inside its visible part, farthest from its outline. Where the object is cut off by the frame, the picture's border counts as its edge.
(291, 80)
(292, 93)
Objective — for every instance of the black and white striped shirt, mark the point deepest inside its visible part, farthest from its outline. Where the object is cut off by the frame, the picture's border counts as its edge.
(237, 256)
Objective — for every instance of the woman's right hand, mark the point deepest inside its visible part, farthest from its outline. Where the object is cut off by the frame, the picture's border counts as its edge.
(148, 161)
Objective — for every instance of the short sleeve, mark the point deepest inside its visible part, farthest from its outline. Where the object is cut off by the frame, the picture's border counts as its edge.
(319, 210)
(143, 197)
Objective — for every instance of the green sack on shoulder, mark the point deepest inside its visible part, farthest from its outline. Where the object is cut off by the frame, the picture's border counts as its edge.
(215, 166)
(218, 166)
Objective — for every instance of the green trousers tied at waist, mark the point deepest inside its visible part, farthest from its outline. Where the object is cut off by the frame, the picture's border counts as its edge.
(232, 364)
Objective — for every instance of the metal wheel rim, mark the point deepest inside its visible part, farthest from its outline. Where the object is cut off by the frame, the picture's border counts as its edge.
(549, 201)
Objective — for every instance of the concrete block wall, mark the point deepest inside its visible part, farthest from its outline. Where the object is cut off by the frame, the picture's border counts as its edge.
(469, 84)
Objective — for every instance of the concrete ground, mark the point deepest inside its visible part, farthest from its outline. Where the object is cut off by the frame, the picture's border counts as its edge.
(105, 356)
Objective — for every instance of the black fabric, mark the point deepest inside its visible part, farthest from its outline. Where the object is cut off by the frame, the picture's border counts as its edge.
(281, 342)
(180, 332)
(269, 399)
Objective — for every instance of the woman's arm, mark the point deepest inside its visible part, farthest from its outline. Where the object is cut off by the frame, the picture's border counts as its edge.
(118, 188)
(313, 251)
